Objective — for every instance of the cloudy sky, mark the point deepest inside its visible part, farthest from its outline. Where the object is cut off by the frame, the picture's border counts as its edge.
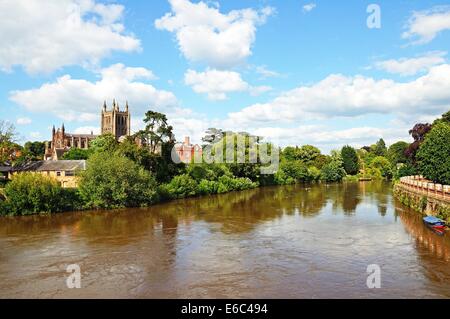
(296, 72)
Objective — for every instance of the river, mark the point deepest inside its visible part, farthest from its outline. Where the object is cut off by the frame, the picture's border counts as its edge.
(273, 242)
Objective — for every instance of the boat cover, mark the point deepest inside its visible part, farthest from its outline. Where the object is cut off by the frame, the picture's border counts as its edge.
(433, 220)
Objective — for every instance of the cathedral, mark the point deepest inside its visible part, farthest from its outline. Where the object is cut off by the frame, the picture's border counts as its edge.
(115, 122)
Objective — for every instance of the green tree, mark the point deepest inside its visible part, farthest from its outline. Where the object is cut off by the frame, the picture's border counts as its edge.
(212, 135)
(104, 143)
(34, 150)
(157, 131)
(397, 153)
(383, 165)
(114, 181)
(433, 157)
(307, 154)
(8, 147)
(350, 160)
(380, 148)
(333, 171)
(77, 154)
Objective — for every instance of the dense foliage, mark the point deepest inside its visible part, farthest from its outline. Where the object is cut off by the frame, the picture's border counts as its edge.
(139, 171)
(433, 157)
(113, 181)
(30, 193)
(350, 160)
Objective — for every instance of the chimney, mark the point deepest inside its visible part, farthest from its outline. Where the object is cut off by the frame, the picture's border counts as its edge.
(187, 140)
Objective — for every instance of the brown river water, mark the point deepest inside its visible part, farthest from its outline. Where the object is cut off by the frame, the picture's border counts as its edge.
(273, 242)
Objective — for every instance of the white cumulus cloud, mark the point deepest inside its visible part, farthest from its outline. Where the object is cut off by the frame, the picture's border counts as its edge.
(43, 36)
(339, 95)
(81, 100)
(216, 83)
(204, 34)
(424, 26)
(411, 66)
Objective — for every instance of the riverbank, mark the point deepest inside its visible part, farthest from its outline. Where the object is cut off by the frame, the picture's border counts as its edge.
(424, 197)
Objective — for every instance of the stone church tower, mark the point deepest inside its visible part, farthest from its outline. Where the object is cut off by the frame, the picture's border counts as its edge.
(115, 122)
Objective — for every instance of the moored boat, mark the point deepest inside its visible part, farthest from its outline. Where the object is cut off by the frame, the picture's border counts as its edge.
(434, 222)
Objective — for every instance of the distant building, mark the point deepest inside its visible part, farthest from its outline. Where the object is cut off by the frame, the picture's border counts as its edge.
(63, 171)
(114, 122)
(62, 142)
(186, 151)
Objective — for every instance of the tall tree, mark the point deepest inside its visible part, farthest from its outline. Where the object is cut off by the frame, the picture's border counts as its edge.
(34, 150)
(8, 148)
(418, 133)
(350, 160)
(380, 148)
(397, 153)
(213, 135)
(433, 157)
(156, 132)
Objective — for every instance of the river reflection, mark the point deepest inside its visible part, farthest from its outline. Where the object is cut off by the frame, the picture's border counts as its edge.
(274, 242)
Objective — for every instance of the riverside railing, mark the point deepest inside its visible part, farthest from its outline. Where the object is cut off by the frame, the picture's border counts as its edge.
(421, 185)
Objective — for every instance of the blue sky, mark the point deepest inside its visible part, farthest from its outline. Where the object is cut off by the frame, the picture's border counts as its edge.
(296, 72)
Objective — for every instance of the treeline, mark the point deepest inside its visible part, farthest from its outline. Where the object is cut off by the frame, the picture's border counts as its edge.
(127, 175)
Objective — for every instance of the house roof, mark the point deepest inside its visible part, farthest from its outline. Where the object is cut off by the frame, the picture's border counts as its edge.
(64, 165)
(5, 169)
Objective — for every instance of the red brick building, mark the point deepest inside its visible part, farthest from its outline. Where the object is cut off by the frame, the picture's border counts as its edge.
(187, 152)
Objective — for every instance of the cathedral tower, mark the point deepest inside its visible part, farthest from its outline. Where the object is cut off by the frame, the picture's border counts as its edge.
(115, 122)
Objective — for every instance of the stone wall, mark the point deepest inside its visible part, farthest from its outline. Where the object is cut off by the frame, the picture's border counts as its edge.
(424, 196)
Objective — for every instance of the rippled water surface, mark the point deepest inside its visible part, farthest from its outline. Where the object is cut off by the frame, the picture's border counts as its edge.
(274, 242)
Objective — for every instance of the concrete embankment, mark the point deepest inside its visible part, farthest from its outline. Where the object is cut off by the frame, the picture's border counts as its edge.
(424, 196)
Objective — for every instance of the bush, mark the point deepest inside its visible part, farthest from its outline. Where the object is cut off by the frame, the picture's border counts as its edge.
(296, 170)
(314, 173)
(405, 170)
(333, 172)
(31, 193)
(182, 186)
(374, 173)
(199, 172)
(206, 187)
(112, 181)
(228, 184)
(433, 157)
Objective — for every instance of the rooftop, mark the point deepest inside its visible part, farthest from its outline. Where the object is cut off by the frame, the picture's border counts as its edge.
(64, 165)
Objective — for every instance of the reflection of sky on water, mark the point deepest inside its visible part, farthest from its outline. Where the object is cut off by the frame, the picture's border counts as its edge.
(270, 242)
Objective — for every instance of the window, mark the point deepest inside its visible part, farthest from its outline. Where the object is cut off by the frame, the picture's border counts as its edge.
(70, 173)
(58, 173)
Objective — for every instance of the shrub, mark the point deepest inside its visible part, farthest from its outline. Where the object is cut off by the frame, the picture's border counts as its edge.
(112, 181)
(314, 173)
(433, 157)
(31, 193)
(333, 171)
(206, 187)
(405, 170)
(182, 186)
(374, 173)
(296, 170)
